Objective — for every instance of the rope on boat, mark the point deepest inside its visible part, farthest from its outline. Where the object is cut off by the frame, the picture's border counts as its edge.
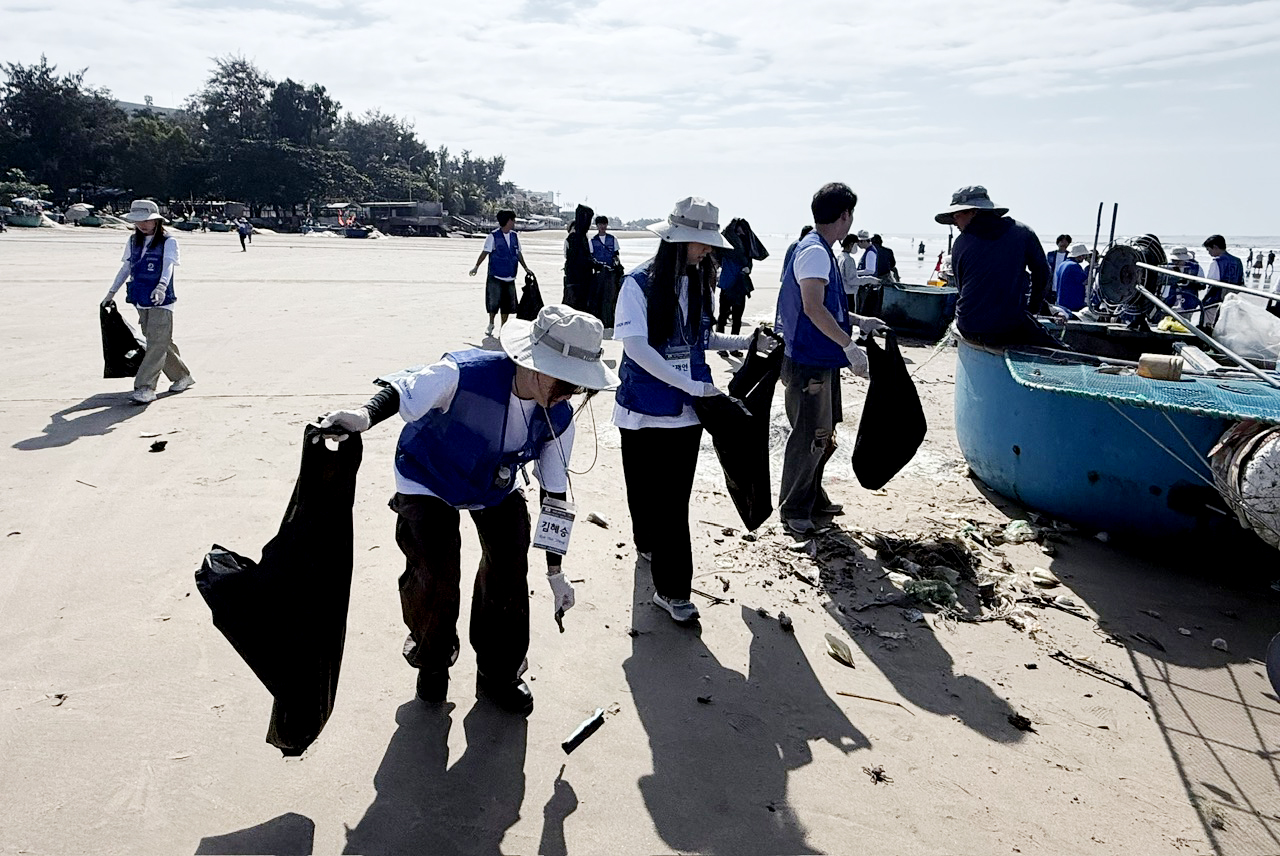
(1167, 450)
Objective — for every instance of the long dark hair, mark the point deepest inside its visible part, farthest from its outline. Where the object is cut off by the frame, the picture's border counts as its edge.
(667, 267)
(139, 238)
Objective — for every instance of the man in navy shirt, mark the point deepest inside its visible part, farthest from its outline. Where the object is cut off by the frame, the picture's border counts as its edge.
(1000, 271)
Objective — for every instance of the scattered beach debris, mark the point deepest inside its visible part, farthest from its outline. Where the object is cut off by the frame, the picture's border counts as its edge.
(147, 435)
(1044, 578)
(1184, 631)
(56, 698)
(602, 522)
(1030, 666)
(838, 649)
(802, 578)
(589, 726)
(895, 635)
(1094, 671)
(14, 532)
(715, 601)
(878, 775)
(913, 615)
(724, 583)
(880, 700)
(704, 699)
(784, 621)
(1021, 531)
(1152, 613)
(1021, 723)
(1103, 537)
(85, 483)
(1220, 644)
(159, 445)
(931, 591)
(1150, 640)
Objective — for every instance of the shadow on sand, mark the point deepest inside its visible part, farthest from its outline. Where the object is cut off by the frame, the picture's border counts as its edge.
(101, 414)
(287, 835)
(719, 782)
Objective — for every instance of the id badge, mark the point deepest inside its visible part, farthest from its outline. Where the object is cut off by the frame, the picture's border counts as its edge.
(679, 359)
(555, 525)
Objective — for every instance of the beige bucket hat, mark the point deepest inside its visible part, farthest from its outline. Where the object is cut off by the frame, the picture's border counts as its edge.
(563, 343)
(692, 219)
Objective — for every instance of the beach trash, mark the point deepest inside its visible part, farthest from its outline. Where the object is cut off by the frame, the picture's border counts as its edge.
(839, 650)
(1044, 578)
(1220, 644)
(1021, 531)
(589, 726)
(931, 591)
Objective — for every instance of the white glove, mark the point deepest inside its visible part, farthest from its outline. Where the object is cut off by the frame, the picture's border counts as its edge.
(109, 299)
(158, 294)
(561, 593)
(348, 420)
(766, 345)
(857, 360)
(868, 324)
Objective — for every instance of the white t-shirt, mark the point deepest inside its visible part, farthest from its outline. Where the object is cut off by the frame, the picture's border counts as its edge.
(812, 262)
(171, 260)
(488, 248)
(434, 387)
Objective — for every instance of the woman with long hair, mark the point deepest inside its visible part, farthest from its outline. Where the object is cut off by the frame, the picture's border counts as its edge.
(150, 255)
(664, 319)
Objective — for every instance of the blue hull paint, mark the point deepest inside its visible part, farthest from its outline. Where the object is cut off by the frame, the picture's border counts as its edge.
(1077, 459)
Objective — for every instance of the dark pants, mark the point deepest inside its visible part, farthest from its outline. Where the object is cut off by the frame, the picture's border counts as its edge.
(868, 300)
(813, 409)
(427, 532)
(606, 296)
(731, 308)
(658, 465)
(242, 237)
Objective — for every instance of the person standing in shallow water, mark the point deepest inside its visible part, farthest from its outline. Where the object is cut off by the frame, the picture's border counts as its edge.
(150, 255)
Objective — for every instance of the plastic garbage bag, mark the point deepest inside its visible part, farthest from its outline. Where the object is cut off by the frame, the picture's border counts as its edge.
(122, 348)
(739, 427)
(1247, 329)
(530, 299)
(892, 426)
(286, 615)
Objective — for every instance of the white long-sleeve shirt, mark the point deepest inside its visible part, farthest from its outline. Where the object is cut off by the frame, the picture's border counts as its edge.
(171, 260)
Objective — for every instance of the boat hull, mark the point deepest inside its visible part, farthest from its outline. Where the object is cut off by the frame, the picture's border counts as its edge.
(1081, 460)
(918, 310)
(222, 227)
(26, 221)
(187, 225)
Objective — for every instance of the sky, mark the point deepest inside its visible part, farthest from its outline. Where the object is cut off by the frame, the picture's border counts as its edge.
(1164, 106)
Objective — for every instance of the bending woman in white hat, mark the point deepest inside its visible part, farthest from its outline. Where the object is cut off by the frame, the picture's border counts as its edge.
(150, 255)
(473, 421)
(664, 319)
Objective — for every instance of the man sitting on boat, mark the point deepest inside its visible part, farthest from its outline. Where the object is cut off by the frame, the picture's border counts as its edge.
(1069, 279)
(1224, 268)
(1000, 271)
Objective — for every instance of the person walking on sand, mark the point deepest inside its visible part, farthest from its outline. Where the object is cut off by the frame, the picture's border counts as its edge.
(245, 231)
(473, 421)
(817, 327)
(606, 254)
(502, 249)
(150, 255)
(579, 266)
(920, 252)
(1271, 263)
(664, 321)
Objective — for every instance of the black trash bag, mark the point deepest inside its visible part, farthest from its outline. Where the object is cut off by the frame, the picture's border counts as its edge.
(739, 427)
(892, 426)
(286, 616)
(122, 348)
(530, 299)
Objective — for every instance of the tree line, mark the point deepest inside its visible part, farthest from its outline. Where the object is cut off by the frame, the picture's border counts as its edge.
(243, 137)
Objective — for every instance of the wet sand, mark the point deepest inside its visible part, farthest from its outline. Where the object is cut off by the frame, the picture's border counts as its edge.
(128, 723)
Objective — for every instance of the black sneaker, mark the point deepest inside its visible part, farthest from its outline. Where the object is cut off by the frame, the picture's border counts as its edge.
(512, 695)
(831, 509)
(433, 687)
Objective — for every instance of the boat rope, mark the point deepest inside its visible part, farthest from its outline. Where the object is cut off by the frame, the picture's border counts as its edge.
(1167, 450)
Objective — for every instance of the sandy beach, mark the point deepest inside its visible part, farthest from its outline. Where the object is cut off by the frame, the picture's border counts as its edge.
(129, 725)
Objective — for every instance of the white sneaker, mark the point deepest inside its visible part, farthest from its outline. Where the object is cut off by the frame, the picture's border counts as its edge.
(182, 384)
(143, 395)
(681, 611)
(488, 331)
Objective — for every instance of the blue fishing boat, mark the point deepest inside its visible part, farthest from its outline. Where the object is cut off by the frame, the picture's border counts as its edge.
(1095, 444)
(922, 311)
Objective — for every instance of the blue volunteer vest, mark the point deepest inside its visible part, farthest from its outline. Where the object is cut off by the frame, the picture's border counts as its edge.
(1230, 269)
(457, 454)
(502, 261)
(145, 267)
(644, 393)
(806, 344)
(604, 248)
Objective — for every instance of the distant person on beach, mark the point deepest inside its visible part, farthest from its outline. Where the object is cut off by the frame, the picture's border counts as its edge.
(818, 329)
(150, 255)
(579, 265)
(1257, 265)
(1069, 279)
(996, 262)
(245, 231)
(735, 284)
(502, 249)
(1271, 263)
(607, 257)
(1180, 294)
(473, 421)
(665, 324)
(1058, 256)
(1224, 268)
(920, 252)
(848, 264)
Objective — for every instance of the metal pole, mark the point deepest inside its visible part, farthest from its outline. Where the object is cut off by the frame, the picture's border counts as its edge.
(1115, 209)
(1243, 289)
(1093, 260)
(1207, 339)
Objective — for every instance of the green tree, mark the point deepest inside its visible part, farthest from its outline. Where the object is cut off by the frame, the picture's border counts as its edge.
(156, 157)
(305, 116)
(16, 183)
(232, 106)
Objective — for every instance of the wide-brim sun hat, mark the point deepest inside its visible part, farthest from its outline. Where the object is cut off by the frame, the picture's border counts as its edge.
(1077, 250)
(967, 198)
(1181, 254)
(563, 343)
(864, 235)
(692, 219)
(143, 210)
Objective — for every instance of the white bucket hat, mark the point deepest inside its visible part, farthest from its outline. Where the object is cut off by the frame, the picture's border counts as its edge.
(693, 219)
(142, 210)
(864, 235)
(563, 343)
(974, 196)
(1181, 254)
(1077, 250)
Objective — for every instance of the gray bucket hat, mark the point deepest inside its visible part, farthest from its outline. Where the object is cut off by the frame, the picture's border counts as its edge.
(975, 196)
(563, 343)
(693, 219)
(142, 210)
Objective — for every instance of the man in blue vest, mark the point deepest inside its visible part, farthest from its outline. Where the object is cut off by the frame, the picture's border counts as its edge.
(817, 326)
(1058, 256)
(1224, 268)
(1069, 279)
(474, 420)
(502, 249)
(607, 257)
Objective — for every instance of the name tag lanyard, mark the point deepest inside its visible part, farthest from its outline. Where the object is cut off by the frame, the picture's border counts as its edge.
(555, 518)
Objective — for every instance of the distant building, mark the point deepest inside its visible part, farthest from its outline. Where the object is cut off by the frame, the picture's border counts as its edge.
(133, 109)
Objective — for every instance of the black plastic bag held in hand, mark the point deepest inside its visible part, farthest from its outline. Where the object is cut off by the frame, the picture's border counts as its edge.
(739, 427)
(122, 349)
(530, 299)
(287, 615)
(892, 426)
